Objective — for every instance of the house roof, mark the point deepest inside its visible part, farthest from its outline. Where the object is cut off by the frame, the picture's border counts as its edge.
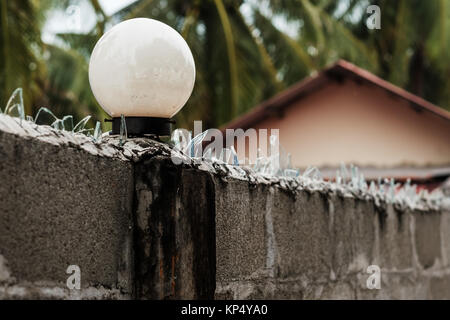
(417, 174)
(338, 72)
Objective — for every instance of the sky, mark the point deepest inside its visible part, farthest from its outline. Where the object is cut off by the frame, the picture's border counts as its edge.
(112, 6)
(78, 18)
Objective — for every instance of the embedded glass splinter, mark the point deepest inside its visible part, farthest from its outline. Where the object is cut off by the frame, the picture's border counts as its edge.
(143, 69)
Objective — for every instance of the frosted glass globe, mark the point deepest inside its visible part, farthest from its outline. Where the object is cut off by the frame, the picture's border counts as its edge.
(142, 68)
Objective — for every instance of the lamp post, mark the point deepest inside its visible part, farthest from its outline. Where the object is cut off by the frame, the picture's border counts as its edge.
(142, 69)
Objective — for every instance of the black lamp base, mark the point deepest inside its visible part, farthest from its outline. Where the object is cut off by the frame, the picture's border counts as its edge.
(140, 126)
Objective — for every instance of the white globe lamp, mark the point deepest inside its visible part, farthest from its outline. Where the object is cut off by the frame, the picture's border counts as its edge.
(142, 69)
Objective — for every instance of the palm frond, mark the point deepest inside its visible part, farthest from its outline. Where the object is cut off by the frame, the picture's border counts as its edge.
(290, 58)
(231, 51)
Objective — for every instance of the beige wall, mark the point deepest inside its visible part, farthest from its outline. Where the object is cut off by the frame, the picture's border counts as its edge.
(360, 124)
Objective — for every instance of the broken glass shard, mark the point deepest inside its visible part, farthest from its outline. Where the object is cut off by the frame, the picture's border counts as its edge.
(14, 106)
(81, 125)
(97, 132)
(123, 130)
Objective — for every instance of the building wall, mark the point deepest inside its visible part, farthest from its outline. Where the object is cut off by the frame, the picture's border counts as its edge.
(141, 227)
(360, 124)
(273, 243)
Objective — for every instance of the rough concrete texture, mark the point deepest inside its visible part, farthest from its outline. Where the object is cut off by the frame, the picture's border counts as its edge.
(175, 231)
(61, 207)
(141, 227)
(283, 244)
(37, 291)
(67, 200)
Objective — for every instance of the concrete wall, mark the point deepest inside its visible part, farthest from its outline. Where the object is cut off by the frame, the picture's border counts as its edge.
(175, 231)
(318, 245)
(141, 227)
(62, 206)
(125, 215)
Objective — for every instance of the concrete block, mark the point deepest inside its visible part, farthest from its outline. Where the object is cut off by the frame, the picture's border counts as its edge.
(241, 229)
(353, 235)
(395, 240)
(364, 230)
(141, 227)
(301, 235)
(338, 291)
(428, 237)
(62, 206)
(445, 237)
(286, 289)
(260, 289)
(394, 286)
(342, 216)
(439, 287)
(175, 231)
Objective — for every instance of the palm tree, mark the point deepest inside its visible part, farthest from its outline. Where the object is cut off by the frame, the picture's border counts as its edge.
(322, 37)
(20, 49)
(234, 71)
(66, 85)
(50, 76)
(411, 50)
(242, 60)
(413, 46)
(245, 51)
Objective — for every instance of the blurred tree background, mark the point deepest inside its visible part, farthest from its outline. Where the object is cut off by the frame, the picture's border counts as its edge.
(245, 50)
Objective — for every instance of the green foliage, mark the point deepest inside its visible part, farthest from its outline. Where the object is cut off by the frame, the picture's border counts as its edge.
(412, 47)
(20, 47)
(241, 59)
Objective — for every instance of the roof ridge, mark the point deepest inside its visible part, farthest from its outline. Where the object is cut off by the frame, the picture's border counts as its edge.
(317, 80)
